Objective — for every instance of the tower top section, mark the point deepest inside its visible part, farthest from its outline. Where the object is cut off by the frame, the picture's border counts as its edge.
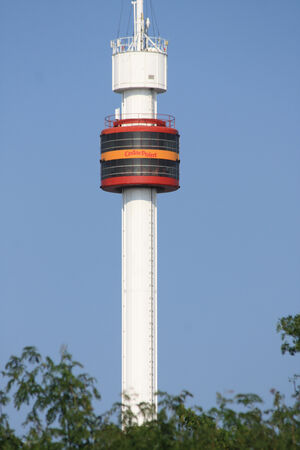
(139, 147)
(140, 41)
(139, 61)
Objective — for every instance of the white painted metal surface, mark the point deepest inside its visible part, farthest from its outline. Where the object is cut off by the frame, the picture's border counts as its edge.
(139, 74)
(139, 69)
(139, 103)
(139, 297)
(140, 27)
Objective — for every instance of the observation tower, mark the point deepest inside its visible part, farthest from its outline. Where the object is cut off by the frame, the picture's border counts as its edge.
(139, 158)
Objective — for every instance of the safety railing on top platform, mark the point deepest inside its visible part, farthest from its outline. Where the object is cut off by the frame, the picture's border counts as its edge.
(130, 44)
(158, 120)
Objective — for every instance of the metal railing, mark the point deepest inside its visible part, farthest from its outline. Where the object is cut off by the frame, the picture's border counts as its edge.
(130, 44)
(155, 120)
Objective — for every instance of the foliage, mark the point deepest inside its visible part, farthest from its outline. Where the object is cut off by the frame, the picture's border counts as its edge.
(59, 401)
(290, 334)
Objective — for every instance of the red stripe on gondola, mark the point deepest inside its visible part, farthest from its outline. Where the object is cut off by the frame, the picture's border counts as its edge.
(139, 128)
(116, 183)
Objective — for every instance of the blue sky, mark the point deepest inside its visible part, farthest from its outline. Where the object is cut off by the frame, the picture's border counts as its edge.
(228, 240)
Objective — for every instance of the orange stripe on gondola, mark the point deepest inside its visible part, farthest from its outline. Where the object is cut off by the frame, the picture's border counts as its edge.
(139, 153)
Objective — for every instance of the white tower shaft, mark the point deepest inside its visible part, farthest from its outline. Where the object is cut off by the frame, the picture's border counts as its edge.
(139, 297)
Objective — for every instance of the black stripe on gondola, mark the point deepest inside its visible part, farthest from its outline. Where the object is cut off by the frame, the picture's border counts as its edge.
(139, 139)
(140, 167)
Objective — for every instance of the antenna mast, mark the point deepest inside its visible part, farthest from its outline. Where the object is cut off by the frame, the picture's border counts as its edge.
(140, 24)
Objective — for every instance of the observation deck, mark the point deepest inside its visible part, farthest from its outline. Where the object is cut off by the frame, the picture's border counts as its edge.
(140, 151)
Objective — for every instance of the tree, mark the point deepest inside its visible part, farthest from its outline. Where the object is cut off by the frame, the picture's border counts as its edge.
(59, 401)
(289, 327)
